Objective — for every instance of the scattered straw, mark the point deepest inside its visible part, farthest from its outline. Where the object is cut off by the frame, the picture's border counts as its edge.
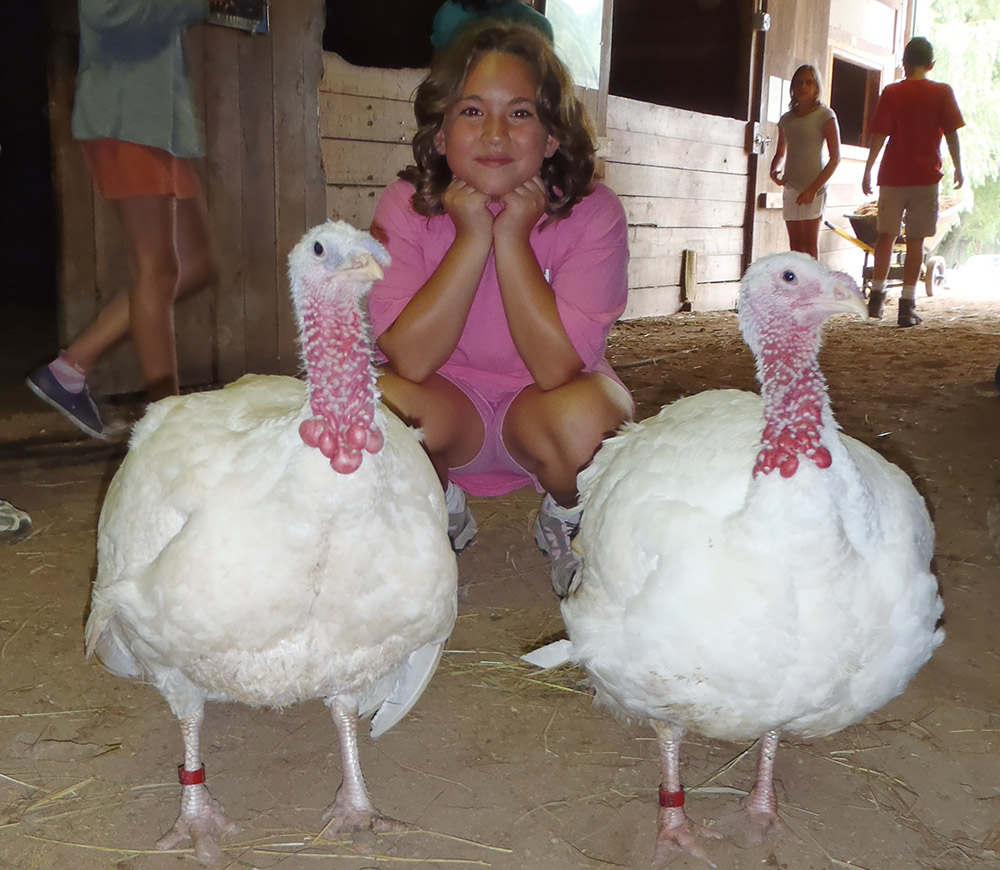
(433, 776)
(56, 795)
(48, 713)
(506, 672)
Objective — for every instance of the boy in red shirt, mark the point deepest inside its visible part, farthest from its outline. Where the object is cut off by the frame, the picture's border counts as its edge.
(912, 114)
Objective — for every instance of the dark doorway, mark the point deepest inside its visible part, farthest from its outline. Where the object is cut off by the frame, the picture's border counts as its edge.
(692, 55)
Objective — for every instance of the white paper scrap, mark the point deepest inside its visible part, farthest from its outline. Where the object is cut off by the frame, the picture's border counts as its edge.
(551, 655)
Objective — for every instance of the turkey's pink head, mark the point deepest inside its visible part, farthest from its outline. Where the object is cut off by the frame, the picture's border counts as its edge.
(331, 271)
(784, 301)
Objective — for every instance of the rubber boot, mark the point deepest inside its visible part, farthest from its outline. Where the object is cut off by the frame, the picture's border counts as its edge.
(876, 303)
(908, 313)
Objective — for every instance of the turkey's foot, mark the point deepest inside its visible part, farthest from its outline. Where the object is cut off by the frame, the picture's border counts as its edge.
(759, 825)
(343, 817)
(760, 815)
(677, 833)
(202, 820)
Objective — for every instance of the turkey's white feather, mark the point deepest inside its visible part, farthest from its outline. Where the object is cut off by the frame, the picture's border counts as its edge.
(734, 605)
(236, 564)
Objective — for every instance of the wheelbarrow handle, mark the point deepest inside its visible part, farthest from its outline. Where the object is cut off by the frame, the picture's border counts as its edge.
(868, 249)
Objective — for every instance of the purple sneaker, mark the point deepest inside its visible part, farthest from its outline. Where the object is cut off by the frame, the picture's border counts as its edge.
(78, 408)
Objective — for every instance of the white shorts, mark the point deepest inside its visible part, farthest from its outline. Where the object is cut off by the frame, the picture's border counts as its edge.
(792, 211)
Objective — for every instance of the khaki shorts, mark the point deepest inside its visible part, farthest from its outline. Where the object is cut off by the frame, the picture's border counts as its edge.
(792, 211)
(920, 204)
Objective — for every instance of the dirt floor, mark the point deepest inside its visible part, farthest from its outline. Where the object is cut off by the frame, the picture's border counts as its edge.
(498, 765)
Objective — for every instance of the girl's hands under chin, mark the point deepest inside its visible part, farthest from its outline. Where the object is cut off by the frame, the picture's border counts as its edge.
(522, 208)
(467, 208)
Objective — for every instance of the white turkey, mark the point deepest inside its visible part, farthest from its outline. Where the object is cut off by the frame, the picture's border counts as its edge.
(237, 562)
(746, 569)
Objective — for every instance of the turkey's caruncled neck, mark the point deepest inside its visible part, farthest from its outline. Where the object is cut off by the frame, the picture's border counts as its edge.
(342, 391)
(795, 403)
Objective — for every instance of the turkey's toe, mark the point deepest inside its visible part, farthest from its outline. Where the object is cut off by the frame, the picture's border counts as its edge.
(203, 828)
(343, 818)
(680, 834)
(760, 825)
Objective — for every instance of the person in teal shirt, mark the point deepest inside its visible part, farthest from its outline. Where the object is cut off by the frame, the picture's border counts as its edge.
(456, 14)
(135, 117)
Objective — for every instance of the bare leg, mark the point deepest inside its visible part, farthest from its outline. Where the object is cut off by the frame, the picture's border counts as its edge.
(883, 256)
(914, 260)
(202, 818)
(171, 257)
(452, 428)
(762, 802)
(675, 831)
(555, 433)
(809, 239)
(804, 236)
(352, 809)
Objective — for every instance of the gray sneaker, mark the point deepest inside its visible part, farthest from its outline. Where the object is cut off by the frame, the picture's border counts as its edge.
(15, 525)
(461, 528)
(554, 537)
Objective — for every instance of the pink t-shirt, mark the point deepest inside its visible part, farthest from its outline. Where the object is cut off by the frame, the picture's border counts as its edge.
(914, 113)
(584, 257)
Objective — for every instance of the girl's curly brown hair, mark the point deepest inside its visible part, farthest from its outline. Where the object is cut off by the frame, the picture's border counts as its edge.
(568, 174)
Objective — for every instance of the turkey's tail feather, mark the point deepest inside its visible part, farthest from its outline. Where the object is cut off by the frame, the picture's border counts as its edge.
(101, 640)
(415, 674)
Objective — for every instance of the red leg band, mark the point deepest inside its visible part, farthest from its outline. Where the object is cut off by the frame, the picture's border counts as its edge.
(194, 777)
(671, 798)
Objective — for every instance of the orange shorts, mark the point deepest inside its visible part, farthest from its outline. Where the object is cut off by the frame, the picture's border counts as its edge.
(124, 169)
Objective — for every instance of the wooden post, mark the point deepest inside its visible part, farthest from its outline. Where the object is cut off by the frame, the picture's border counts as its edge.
(689, 278)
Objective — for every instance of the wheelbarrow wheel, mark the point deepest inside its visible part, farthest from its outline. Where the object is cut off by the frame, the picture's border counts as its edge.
(933, 274)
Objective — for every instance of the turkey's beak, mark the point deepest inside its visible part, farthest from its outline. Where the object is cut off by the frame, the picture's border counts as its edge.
(847, 298)
(365, 268)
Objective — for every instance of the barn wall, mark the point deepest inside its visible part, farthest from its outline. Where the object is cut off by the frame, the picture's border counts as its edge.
(869, 33)
(798, 35)
(682, 178)
(263, 187)
(679, 174)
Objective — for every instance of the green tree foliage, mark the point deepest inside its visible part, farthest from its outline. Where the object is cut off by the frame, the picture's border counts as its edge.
(966, 39)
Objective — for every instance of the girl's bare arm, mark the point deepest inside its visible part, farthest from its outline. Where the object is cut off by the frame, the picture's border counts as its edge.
(428, 329)
(529, 302)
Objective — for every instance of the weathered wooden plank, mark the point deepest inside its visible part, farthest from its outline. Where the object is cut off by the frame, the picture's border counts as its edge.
(353, 204)
(368, 163)
(666, 299)
(258, 186)
(342, 77)
(295, 31)
(223, 183)
(627, 179)
(193, 320)
(652, 272)
(652, 302)
(646, 149)
(668, 241)
(671, 212)
(74, 192)
(366, 119)
(638, 117)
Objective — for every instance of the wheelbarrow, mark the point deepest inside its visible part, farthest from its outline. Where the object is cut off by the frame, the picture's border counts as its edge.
(866, 233)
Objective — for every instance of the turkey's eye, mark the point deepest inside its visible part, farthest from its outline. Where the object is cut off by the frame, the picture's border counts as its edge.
(789, 276)
(318, 249)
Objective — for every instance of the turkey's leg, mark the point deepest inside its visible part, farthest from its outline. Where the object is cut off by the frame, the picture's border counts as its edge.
(352, 809)
(762, 803)
(201, 818)
(675, 830)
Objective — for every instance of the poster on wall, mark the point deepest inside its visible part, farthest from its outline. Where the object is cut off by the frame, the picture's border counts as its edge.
(248, 15)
